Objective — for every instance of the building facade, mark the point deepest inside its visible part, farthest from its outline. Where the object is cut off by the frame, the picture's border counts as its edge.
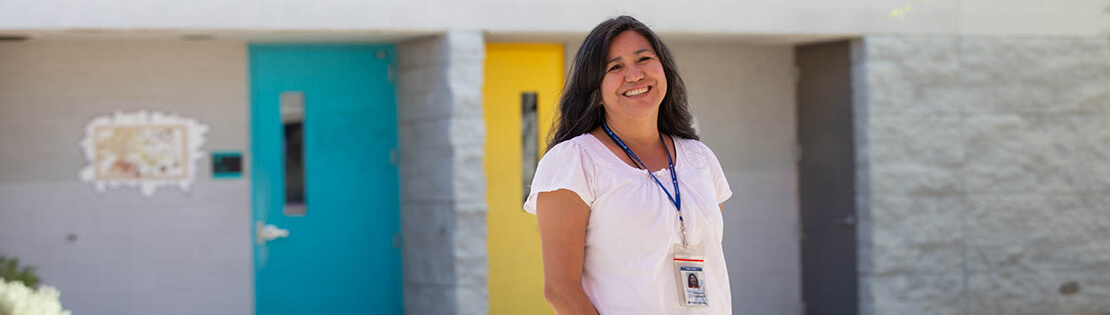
(917, 157)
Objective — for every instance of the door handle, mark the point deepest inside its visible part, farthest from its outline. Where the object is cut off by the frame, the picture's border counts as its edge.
(269, 232)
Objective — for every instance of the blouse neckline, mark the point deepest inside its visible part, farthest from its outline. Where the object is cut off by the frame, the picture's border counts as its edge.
(601, 146)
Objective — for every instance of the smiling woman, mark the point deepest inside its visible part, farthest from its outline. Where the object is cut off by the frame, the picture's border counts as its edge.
(616, 235)
(633, 71)
(578, 108)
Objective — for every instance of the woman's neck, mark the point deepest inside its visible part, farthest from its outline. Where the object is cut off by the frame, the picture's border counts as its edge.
(635, 133)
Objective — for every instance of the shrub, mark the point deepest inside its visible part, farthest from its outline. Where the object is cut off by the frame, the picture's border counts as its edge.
(9, 270)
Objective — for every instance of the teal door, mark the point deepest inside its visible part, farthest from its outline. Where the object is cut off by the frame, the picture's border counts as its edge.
(324, 176)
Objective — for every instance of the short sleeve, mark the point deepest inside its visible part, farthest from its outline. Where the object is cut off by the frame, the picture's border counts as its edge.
(717, 175)
(563, 167)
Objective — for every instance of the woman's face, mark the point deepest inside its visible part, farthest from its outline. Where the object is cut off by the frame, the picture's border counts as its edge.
(634, 83)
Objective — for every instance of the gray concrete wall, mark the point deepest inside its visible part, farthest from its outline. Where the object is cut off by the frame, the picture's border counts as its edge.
(987, 186)
(743, 98)
(442, 176)
(175, 253)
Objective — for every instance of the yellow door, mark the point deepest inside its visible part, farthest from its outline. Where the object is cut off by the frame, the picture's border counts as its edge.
(515, 265)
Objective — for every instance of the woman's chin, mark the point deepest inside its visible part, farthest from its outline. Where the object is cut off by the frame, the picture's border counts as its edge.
(641, 107)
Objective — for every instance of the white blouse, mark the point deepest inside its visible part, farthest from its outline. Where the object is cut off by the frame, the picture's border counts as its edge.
(633, 226)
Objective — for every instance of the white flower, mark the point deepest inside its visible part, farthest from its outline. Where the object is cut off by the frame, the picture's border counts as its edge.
(18, 299)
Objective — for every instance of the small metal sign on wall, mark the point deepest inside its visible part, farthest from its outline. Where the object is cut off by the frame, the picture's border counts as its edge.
(142, 149)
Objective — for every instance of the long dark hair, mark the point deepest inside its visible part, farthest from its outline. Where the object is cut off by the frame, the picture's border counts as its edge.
(579, 109)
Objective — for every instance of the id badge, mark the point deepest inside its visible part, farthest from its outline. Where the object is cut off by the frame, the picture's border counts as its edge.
(689, 264)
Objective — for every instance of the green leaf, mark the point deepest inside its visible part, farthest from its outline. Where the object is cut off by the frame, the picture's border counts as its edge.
(10, 271)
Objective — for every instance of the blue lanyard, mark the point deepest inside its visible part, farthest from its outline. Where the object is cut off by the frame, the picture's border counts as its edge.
(677, 199)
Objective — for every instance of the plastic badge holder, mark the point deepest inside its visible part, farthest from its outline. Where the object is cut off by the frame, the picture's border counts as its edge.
(689, 264)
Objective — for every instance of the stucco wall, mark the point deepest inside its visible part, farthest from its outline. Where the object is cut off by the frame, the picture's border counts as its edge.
(175, 253)
(805, 17)
(743, 98)
(986, 174)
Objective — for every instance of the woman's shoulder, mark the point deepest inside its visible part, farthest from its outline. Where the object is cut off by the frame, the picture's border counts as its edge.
(566, 148)
(575, 142)
(584, 146)
(694, 151)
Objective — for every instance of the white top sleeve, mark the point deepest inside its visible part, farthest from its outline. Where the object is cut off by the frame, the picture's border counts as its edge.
(720, 184)
(562, 167)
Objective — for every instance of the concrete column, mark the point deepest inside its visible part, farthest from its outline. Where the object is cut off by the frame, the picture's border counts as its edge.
(442, 177)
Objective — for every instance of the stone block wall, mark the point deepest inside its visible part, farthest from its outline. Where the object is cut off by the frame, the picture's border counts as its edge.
(442, 177)
(984, 175)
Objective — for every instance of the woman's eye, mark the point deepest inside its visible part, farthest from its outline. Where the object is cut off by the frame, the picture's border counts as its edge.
(644, 59)
(614, 68)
